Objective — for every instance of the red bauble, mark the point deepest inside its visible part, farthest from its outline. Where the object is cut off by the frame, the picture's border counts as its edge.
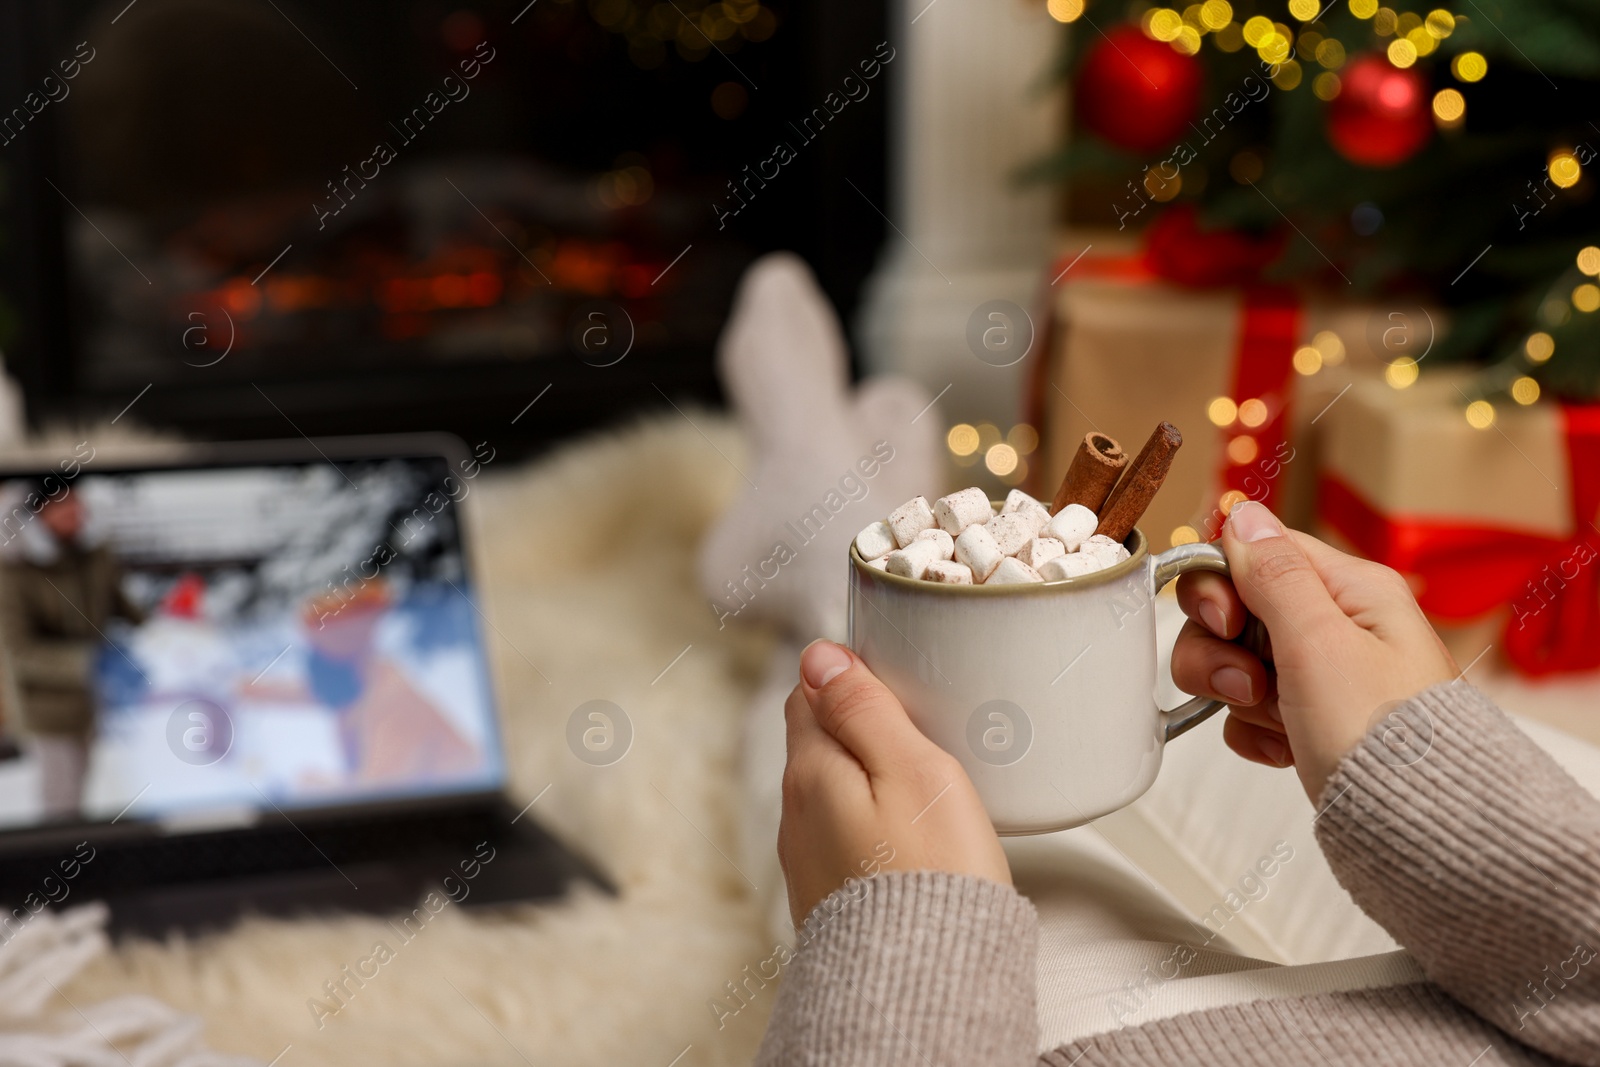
(1381, 116)
(1137, 93)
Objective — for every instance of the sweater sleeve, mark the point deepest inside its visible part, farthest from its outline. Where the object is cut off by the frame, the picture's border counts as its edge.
(910, 968)
(1481, 856)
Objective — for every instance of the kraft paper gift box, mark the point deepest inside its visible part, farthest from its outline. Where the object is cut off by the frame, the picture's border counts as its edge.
(1495, 528)
(1124, 350)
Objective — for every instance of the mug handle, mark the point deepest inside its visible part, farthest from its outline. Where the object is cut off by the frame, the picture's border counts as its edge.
(1168, 565)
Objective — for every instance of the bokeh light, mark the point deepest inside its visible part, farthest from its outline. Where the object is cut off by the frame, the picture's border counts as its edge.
(1539, 347)
(1023, 438)
(1564, 168)
(1222, 411)
(1253, 413)
(962, 439)
(1402, 373)
(1001, 459)
(1449, 107)
(1525, 390)
(1469, 67)
(1480, 414)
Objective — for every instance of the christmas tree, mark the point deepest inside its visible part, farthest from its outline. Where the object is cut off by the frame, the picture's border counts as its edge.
(1391, 153)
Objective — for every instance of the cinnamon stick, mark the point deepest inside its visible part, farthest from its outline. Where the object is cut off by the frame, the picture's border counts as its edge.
(1094, 470)
(1140, 484)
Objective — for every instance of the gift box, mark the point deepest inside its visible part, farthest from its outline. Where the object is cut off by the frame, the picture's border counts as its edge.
(1131, 339)
(1495, 527)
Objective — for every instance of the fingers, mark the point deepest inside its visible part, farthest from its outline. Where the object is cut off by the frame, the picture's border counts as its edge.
(804, 737)
(1256, 743)
(1211, 600)
(1276, 580)
(853, 707)
(1209, 666)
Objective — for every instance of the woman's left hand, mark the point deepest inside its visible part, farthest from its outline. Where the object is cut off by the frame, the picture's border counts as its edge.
(864, 790)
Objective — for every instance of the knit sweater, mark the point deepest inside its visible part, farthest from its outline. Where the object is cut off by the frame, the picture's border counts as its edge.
(1481, 858)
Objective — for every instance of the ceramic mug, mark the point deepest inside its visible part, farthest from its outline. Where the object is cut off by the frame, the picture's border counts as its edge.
(1044, 692)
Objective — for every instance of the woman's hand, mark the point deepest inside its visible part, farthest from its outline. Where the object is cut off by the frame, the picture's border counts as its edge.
(864, 790)
(1347, 640)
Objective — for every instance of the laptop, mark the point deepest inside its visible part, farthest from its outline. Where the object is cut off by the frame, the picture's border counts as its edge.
(252, 678)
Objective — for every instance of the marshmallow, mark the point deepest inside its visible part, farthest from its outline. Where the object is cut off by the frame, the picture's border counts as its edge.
(880, 564)
(948, 573)
(876, 541)
(1072, 526)
(946, 543)
(1103, 547)
(1037, 515)
(959, 510)
(1013, 571)
(1039, 549)
(1016, 500)
(1010, 530)
(1070, 566)
(976, 548)
(912, 561)
(910, 519)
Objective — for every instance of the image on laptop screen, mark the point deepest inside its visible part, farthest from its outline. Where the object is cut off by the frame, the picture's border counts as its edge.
(182, 641)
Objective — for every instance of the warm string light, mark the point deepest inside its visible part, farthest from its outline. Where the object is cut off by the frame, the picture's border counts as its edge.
(1564, 168)
(1402, 373)
(1003, 457)
(1065, 10)
(1539, 347)
(1414, 37)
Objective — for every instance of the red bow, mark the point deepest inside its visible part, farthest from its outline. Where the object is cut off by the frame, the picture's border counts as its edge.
(1552, 583)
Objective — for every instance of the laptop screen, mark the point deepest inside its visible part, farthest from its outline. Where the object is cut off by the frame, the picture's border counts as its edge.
(186, 642)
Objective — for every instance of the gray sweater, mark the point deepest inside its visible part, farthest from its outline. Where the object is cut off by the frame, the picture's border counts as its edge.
(1482, 859)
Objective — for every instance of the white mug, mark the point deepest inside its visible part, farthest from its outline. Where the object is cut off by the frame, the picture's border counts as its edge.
(1044, 692)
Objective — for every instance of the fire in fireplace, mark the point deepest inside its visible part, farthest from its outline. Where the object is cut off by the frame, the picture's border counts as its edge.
(261, 217)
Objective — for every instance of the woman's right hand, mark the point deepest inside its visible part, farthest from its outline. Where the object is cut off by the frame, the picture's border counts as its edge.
(1347, 640)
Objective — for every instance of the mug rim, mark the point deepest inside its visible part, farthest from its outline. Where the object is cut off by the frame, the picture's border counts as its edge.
(1136, 555)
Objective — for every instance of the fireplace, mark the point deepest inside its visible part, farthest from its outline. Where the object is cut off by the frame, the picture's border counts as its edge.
(257, 217)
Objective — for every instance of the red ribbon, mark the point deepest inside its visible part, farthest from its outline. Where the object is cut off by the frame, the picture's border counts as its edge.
(1262, 368)
(1552, 583)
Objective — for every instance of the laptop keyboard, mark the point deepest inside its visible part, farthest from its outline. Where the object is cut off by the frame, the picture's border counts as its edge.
(274, 848)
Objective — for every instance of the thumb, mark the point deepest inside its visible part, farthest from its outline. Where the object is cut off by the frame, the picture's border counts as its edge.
(1276, 580)
(858, 710)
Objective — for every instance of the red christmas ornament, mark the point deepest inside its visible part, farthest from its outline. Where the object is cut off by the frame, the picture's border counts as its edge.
(1137, 93)
(1380, 117)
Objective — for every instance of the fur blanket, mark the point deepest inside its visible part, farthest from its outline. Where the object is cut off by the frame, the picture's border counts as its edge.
(586, 604)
